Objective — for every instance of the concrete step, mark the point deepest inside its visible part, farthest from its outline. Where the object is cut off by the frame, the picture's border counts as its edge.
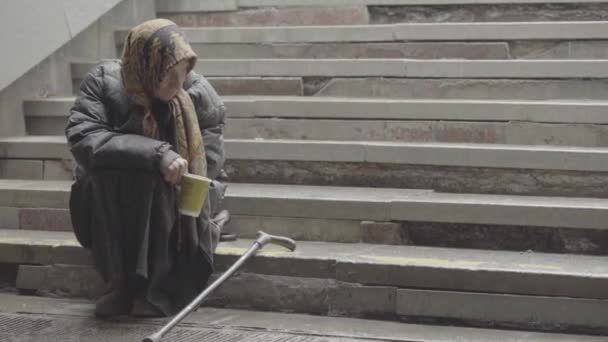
(460, 88)
(573, 123)
(558, 291)
(371, 215)
(329, 327)
(431, 50)
(281, 86)
(256, 13)
(407, 79)
(295, 16)
(425, 32)
(448, 167)
(179, 6)
(527, 40)
(394, 68)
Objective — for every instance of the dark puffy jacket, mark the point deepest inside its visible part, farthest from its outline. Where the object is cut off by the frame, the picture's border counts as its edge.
(105, 127)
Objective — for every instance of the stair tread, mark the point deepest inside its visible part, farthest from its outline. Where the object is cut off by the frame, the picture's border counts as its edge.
(58, 139)
(545, 157)
(296, 323)
(466, 31)
(384, 255)
(355, 194)
(376, 204)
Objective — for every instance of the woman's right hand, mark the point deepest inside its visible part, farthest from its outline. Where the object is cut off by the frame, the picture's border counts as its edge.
(173, 172)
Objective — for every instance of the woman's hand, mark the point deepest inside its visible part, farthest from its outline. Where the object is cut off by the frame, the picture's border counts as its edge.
(174, 171)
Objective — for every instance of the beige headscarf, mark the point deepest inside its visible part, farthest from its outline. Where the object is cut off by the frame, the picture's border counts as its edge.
(151, 49)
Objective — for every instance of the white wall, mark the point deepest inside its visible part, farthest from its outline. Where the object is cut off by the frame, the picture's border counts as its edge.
(51, 76)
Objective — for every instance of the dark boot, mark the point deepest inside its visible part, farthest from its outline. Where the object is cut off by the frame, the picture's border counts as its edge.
(118, 300)
(143, 308)
(221, 219)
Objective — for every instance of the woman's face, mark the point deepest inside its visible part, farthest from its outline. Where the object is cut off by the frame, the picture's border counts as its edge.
(173, 82)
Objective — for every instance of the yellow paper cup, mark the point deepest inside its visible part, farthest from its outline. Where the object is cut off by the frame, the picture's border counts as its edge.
(193, 193)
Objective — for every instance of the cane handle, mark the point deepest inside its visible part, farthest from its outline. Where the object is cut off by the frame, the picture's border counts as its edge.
(263, 239)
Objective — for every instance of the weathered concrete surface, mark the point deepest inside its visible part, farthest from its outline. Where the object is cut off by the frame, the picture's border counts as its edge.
(36, 169)
(323, 296)
(299, 3)
(172, 6)
(466, 89)
(544, 313)
(308, 229)
(446, 179)
(123, 329)
(272, 293)
(45, 125)
(34, 147)
(353, 300)
(356, 50)
(496, 237)
(440, 154)
(287, 86)
(21, 169)
(574, 276)
(390, 233)
(519, 133)
(406, 68)
(375, 204)
(346, 15)
(40, 194)
(418, 233)
(584, 49)
(48, 219)
(280, 86)
(63, 280)
(443, 32)
(228, 319)
(489, 12)
(299, 107)
(59, 169)
(9, 218)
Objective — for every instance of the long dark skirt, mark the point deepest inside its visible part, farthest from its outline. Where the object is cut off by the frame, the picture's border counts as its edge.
(128, 219)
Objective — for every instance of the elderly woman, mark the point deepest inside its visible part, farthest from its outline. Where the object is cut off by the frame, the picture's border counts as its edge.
(136, 127)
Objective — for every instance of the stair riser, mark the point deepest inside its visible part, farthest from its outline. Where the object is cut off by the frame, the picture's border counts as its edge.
(412, 88)
(434, 50)
(394, 68)
(281, 86)
(523, 133)
(368, 268)
(48, 169)
(354, 50)
(461, 89)
(456, 179)
(326, 15)
(489, 13)
(536, 182)
(406, 88)
(347, 15)
(439, 178)
(335, 298)
(434, 234)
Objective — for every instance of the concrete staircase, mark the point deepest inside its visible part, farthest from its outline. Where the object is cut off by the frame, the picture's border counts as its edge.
(441, 162)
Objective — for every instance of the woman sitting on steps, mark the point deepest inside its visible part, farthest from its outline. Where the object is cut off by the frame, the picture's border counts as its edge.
(136, 127)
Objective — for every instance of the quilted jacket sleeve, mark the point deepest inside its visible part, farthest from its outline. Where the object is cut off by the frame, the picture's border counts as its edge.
(211, 117)
(92, 140)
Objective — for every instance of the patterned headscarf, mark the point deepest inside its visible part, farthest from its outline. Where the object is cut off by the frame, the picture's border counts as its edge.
(151, 49)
